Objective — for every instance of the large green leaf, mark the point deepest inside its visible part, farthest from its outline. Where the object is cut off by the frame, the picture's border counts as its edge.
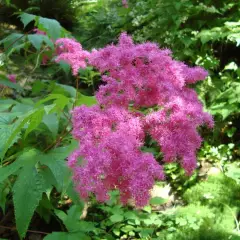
(6, 132)
(35, 120)
(18, 126)
(26, 18)
(60, 102)
(4, 191)
(9, 84)
(72, 220)
(12, 40)
(28, 156)
(56, 161)
(51, 26)
(27, 192)
(52, 122)
(37, 41)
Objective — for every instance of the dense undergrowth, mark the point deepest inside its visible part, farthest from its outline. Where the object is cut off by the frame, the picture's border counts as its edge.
(37, 196)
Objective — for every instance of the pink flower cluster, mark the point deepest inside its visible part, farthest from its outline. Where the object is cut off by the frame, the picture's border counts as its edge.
(71, 51)
(109, 154)
(67, 50)
(145, 93)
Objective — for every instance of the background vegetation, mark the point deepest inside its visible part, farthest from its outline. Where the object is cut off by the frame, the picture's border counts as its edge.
(37, 199)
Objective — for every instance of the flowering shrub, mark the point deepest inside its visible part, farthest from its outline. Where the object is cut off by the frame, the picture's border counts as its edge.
(145, 93)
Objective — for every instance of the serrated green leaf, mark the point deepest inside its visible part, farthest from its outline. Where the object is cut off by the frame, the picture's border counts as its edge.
(35, 120)
(26, 18)
(4, 191)
(60, 102)
(18, 125)
(36, 40)
(23, 159)
(29, 187)
(12, 40)
(6, 132)
(52, 122)
(55, 160)
(72, 219)
(51, 26)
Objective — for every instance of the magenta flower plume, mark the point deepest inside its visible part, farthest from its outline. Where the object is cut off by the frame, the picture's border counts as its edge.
(71, 52)
(111, 134)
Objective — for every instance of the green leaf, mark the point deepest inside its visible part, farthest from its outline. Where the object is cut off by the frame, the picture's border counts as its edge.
(36, 40)
(26, 18)
(146, 232)
(231, 66)
(71, 90)
(55, 160)
(7, 83)
(7, 118)
(28, 156)
(4, 191)
(34, 121)
(18, 125)
(52, 122)
(60, 102)
(116, 218)
(51, 26)
(28, 187)
(86, 100)
(72, 220)
(147, 209)
(157, 201)
(12, 40)
(6, 132)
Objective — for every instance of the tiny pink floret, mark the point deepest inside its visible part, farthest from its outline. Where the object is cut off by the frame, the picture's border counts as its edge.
(12, 78)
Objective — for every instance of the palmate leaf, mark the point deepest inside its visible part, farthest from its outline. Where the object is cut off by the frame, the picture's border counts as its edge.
(6, 132)
(35, 120)
(52, 122)
(22, 160)
(55, 160)
(52, 27)
(31, 118)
